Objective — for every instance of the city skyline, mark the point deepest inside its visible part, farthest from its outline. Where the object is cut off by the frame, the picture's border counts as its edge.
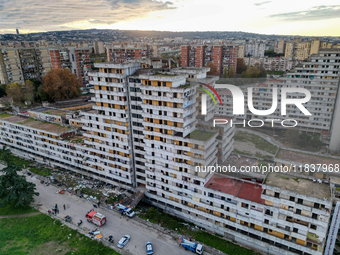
(256, 16)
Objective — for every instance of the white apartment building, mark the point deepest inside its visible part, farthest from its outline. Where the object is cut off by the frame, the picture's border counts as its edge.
(255, 49)
(146, 132)
(273, 63)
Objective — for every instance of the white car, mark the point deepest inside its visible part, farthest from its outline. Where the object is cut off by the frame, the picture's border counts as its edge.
(123, 241)
(130, 213)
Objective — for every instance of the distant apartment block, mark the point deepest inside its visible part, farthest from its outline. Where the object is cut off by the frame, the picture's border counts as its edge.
(240, 51)
(98, 47)
(273, 63)
(279, 46)
(224, 57)
(75, 59)
(255, 49)
(21, 64)
(123, 53)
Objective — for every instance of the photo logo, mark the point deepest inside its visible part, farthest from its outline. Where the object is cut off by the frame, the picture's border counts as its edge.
(239, 101)
(204, 97)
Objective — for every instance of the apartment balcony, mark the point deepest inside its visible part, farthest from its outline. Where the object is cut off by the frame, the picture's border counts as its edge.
(107, 92)
(108, 84)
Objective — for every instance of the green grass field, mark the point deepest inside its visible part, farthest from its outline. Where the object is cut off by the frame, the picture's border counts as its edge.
(11, 210)
(41, 234)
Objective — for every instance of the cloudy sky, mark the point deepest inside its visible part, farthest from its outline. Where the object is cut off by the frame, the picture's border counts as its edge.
(290, 17)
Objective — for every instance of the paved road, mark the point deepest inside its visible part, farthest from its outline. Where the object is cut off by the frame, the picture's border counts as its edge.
(117, 227)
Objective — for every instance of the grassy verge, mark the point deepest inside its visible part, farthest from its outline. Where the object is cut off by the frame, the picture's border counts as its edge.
(11, 210)
(221, 244)
(174, 223)
(165, 220)
(41, 171)
(18, 161)
(41, 234)
(259, 142)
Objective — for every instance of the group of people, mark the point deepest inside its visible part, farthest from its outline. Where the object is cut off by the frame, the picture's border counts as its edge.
(55, 209)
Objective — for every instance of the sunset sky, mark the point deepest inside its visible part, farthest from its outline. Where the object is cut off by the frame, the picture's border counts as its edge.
(289, 17)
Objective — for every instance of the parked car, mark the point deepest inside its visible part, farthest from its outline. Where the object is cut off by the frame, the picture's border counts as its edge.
(149, 248)
(123, 241)
(130, 213)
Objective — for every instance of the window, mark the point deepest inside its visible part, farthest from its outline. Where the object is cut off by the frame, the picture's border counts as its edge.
(298, 211)
(292, 199)
(295, 230)
(312, 226)
(314, 216)
(300, 201)
(277, 194)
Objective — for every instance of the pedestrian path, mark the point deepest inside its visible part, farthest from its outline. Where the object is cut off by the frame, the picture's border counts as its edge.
(20, 215)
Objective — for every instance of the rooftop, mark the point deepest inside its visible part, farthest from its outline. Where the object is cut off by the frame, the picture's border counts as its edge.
(238, 188)
(48, 110)
(335, 180)
(299, 185)
(37, 124)
(200, 135)
(165, 74)
(306, 158)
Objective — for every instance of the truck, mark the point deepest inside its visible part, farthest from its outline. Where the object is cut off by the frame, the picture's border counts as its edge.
(96, 218)
(192, 246)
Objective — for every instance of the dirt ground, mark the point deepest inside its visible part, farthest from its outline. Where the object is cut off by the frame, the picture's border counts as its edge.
(249, 148)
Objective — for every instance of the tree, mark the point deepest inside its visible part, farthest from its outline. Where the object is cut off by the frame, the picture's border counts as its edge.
(255, 71)
(231, 71)
(14, 189)
(271, 53)
(225, 72)
(28, 91)
(304, 139)
(213, 69)
(3, 90)
(316, 142)
(241, 66)
(61, 84)
(14, 91)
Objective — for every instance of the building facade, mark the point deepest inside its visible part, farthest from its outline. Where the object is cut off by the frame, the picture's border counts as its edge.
(98, 47)
(21, 64)
(223, 57)
(75, 59)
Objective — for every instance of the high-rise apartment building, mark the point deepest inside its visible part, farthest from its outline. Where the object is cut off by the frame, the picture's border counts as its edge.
(255, 49)
(273, 63)
(223, 57)
(279, 46)
(21, 64)
(75, 59)
(315, 46)
(298, 49)
(240, 51)
(98, 47)
(123, 53)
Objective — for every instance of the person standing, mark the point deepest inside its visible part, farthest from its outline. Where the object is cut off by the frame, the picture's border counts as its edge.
(64, 207)
(98, 204)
